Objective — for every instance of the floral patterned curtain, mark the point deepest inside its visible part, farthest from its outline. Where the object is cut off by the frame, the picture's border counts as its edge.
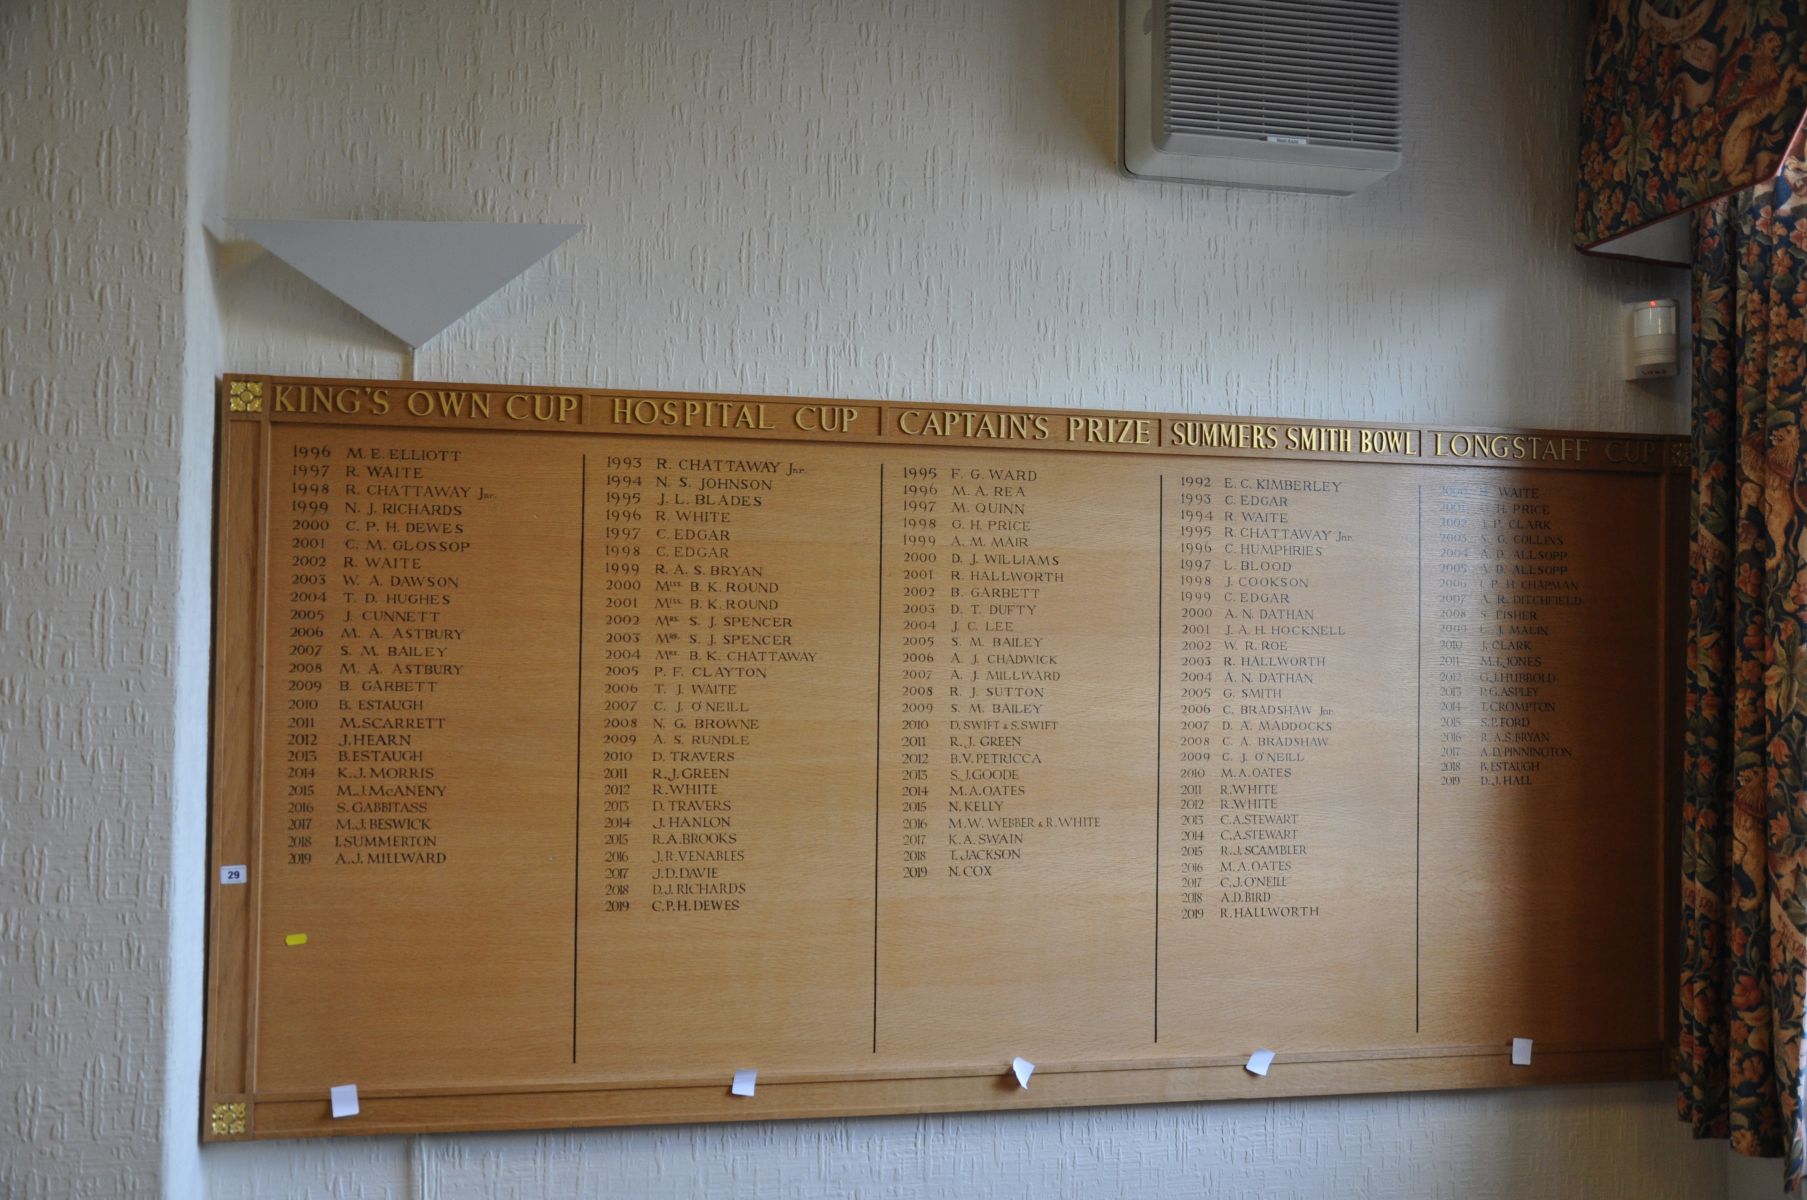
(1684, 101)
(1744, 841)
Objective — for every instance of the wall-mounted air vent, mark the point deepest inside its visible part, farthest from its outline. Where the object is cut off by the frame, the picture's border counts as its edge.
(1289, 95)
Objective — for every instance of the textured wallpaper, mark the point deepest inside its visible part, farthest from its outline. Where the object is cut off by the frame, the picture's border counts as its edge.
(93, 118)
(891, 199)
(918, 199)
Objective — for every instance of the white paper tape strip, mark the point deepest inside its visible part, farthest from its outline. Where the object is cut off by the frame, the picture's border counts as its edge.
(1259, 1062)
(1022, 1068)
(744, 1082)
(1521, 1052)
(345, 1100)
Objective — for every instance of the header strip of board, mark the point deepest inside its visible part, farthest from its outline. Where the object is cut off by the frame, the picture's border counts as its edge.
(787, 418)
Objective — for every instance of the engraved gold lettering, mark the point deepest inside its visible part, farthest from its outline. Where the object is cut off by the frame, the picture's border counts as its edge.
(1504, 447)
(459, 404)
(1322, 439)
(341, 401)
(826, 418)
(1619, 450)
(972, 423)
(1132, 431)
(537, 406)
(1224, 435)
(690, 414)
(1389, 441)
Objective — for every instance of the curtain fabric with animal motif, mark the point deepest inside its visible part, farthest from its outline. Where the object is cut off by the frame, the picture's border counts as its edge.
(1744, 840)
(1684, 101)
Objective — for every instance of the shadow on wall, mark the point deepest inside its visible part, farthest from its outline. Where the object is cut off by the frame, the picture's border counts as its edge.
(1067, 60)
(1598, 1143)
(267, 297)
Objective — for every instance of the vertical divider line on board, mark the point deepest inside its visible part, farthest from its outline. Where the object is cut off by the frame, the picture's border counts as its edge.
(577, 840)
(1160, 654)
(1418, 801)
(878, 734)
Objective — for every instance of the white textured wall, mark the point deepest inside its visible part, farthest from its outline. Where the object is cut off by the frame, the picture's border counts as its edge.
(890, 199)
(917, 199)
(1753, 1178)
(103, 617)
(208, 79)
(1613, 1143)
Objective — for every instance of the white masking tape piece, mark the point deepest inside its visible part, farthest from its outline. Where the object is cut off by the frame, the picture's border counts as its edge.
(231, 875)
(1259, 1062)
(345, 1100)
(1521, 1052)
(1022, 1068)
(743, 1082)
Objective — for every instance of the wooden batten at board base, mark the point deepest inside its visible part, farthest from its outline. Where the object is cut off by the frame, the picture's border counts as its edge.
(604, 743)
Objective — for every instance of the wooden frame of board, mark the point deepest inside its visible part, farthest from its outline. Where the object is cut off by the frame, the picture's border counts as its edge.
(493, 987)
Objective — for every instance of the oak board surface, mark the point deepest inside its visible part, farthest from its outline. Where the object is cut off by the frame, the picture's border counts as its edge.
(583, 747)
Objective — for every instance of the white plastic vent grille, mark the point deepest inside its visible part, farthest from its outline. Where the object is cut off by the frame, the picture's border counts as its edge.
(1321, 72)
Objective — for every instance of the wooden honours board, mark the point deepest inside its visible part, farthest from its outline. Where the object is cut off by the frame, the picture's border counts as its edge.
(576, 749)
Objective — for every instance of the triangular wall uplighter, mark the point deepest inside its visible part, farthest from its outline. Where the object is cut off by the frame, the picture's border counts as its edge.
(414, 278)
